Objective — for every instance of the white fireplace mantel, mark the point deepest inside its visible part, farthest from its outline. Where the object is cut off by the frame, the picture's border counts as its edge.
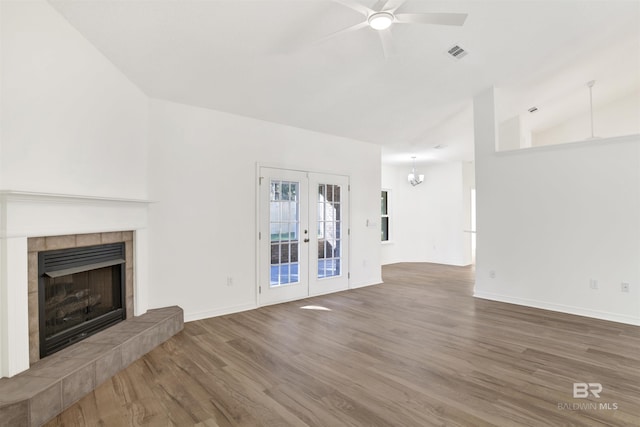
(28, 214)
(32, 195)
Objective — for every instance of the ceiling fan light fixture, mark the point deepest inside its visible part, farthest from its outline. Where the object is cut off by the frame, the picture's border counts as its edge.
(381, 20)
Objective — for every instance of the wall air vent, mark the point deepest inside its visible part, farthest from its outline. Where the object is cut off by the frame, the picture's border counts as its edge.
(457, 52)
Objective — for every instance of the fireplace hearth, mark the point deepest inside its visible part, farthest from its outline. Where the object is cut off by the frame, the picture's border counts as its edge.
(81, 292)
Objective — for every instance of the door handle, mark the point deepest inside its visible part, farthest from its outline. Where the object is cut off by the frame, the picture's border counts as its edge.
(306, 240)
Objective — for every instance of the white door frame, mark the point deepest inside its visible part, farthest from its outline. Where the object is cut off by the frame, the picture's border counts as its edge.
(346, 231)
(288, 287)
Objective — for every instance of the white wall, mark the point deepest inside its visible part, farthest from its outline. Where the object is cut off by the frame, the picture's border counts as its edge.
(617, 118)
(71, 122)
(514, 133)
(549, 219)
(203, 226)
(428, 220)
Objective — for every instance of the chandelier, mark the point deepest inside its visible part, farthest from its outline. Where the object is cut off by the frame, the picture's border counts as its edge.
(413, 178)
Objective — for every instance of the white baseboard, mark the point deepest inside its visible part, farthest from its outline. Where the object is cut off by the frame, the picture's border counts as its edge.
(190, 317)
(579, 311)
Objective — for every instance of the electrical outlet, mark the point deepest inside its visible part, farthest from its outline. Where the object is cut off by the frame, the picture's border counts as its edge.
(593, 284)
(624, 287)
(492, 274)
(229, 281)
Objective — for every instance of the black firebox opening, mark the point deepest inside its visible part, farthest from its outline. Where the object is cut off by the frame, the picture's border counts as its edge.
(81, 292)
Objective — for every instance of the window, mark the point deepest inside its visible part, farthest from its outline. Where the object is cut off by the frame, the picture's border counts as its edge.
(384, 211)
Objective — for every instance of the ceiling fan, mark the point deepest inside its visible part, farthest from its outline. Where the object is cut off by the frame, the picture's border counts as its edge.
(382, 15)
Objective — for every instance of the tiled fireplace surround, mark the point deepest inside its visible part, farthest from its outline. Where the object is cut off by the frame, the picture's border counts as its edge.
(33, 391)
(39, 244)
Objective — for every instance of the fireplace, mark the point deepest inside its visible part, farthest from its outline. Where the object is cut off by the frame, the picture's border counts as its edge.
(37, 222)
(81, 291)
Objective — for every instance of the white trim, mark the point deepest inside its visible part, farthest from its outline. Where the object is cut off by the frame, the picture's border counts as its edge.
(190, 317)
(569, 144)
(44, 214)
(15, 195)
(256, 210)
(14, 315)
(141, 284)
(365, 284)
(578, 311)
(271, 165)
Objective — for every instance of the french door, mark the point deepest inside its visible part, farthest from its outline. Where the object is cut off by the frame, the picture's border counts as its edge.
(303, 234)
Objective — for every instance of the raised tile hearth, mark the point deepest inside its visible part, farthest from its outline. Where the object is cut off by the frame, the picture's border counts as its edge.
(53, 384)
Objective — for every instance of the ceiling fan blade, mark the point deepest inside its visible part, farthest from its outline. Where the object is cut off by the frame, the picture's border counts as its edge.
(342, 31)
(431, 18)
(352, 4)
(387, 43)
(380, 4)
(387, 5)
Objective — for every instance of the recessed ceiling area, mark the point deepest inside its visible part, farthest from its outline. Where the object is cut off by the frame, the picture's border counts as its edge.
(271, 60)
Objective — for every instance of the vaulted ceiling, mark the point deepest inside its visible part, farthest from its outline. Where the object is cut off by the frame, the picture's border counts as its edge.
(267, 59)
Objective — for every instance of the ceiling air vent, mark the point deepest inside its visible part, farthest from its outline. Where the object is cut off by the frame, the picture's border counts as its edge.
(457, 52)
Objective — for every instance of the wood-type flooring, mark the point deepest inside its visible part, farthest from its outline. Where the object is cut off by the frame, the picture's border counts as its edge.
(418, 350)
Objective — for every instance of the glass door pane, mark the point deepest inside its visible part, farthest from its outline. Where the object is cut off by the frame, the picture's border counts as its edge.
(329, 226)
(284, 226)
(328, 263)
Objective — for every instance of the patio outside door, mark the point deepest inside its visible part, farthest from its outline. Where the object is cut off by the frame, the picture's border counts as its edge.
(303, 234)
